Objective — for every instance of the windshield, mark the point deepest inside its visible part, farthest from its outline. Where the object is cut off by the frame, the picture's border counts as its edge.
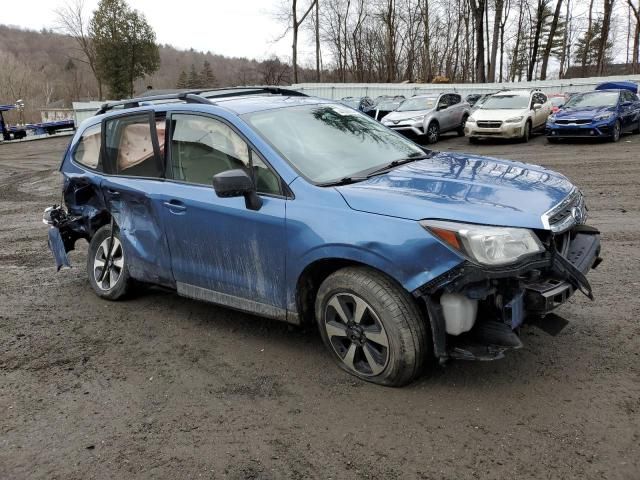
(329, 142)
(595, 99)
(420, 103)
(390, 104)
(508, 102)
(482, 100)
(557, 101)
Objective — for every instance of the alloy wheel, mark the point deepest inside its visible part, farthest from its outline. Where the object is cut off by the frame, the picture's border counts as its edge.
(616, 131)
(432, 133)
(356, 334)
(108, 279)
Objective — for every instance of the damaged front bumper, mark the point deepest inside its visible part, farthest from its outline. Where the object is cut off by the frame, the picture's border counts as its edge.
(503, 299)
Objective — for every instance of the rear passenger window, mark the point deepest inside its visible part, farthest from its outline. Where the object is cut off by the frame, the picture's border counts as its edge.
(202, 147)
(87, 151)
(454, 99)
(130, 146)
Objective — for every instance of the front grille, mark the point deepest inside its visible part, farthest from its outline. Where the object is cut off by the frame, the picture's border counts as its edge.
(573, 121)
(571, 211)
(489, 124)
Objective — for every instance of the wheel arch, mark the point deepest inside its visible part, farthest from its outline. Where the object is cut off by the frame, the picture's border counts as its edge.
(312, 276)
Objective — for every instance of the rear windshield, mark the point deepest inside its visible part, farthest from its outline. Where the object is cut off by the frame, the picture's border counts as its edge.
(507, 102)
(329, 142)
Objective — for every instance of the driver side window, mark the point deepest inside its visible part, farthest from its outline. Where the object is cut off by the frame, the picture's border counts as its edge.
(202, 147)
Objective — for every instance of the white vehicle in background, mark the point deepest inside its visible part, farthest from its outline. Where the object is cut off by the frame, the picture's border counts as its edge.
(429, 115)
(509, 114)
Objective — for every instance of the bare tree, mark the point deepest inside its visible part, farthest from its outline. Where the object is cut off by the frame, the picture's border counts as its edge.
(550, 39)
(70, 19)
(636, 38)
(604, 36)
(477, 7)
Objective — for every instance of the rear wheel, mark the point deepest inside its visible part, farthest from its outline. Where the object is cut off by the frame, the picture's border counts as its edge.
(372, 327)
(617, 130)
(106, 265)
(433, 132)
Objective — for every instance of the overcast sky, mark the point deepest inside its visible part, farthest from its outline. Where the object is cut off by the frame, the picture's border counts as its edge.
(243, 28)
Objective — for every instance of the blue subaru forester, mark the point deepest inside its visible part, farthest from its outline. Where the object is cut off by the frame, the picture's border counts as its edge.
(304, 210)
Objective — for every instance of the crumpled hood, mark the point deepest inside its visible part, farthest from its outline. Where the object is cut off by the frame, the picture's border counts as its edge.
(465, 188)
(498, 114)
(399, 116)
(583, 113)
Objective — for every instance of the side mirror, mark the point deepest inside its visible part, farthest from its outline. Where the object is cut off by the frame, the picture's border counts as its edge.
(537, 106)
(627, 103)
(442, 106)
(237, 183)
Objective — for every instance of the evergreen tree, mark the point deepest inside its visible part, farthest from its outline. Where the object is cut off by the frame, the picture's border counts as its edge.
(125, 46)
(182, 80)
(594, 46)
(193, 81)
(207, 77)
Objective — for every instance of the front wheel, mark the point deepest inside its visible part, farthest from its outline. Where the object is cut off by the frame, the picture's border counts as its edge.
(433, 132)
(460, 129)
(617, 130)
(526, 135)
(372, 327)
(107, 265)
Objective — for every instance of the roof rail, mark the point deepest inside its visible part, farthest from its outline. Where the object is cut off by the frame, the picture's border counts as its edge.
(199, 96)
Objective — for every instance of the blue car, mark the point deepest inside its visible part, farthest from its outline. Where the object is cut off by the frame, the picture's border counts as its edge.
(303, 210)
(599, 114)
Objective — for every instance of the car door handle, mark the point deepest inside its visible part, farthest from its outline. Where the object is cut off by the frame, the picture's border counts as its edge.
(113, 193)
(175, 205)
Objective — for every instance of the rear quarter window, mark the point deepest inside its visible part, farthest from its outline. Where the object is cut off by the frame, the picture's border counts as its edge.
(87, 151)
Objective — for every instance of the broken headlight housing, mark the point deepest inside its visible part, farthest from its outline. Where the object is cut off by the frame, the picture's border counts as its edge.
(484, 244)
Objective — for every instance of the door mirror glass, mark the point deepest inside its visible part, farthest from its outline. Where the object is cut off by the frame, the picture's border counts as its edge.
(237, 183)
(442, 106)
(537, 106)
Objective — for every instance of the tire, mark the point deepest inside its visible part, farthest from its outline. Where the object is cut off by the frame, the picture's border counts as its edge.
(526, 135)
(617, 132)
(372, 327)
(637, 129)
(117, 283)
(433, 132)
(460, 130)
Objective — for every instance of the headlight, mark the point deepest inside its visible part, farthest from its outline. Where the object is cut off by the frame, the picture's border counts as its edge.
(603, 116)
(419, 118)
(484, 244)
(471, 120)
(551, 119)
(513, 120)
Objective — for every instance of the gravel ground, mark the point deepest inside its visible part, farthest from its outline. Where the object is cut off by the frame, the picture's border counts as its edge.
(164, 387)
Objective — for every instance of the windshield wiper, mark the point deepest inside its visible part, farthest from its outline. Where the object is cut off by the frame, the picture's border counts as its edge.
(366, 174)
(393, 164)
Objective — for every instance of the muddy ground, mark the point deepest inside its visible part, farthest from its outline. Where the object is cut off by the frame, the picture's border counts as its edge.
(164, 387)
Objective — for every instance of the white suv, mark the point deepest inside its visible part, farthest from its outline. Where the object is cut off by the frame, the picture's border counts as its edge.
(509, 114)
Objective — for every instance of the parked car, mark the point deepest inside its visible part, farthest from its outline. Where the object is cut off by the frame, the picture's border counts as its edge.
(364, 104)
(430, 115)
(473, 98)
(598, 114)
(303, 210)
(509, 114)
(384, 105)
(557, 101)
